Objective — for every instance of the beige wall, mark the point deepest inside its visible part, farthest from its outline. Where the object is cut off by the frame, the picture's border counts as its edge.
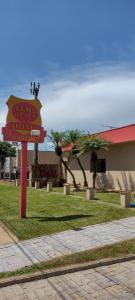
(120, 168)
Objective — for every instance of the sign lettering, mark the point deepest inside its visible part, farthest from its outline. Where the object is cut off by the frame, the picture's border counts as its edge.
(23, 117)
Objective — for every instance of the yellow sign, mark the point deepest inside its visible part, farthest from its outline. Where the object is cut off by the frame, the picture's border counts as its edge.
(23, 118)
(22, 110)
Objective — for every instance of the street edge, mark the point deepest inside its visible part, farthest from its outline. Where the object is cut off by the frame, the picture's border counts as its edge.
(62, 271)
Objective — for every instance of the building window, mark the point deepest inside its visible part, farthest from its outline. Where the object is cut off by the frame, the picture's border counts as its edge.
(100, 165)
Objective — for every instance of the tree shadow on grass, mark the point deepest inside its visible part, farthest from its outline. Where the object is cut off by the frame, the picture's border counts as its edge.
(60, 219)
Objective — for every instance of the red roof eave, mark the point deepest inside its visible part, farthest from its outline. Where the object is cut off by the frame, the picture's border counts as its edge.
(119, 135)
(68, 148)
(115, 136)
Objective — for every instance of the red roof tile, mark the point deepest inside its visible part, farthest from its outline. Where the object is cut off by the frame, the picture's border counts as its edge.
(119, 135)
(68, 148)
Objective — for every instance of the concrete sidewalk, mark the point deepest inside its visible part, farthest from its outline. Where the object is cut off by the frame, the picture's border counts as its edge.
(111, 282)
(28, 252)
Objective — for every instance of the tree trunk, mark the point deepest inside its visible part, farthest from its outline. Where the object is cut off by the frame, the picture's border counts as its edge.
(94, 179)
(10, 168)
(4, 167)
(0, 169)
(73, 177)
(94, 159)
(82, 169)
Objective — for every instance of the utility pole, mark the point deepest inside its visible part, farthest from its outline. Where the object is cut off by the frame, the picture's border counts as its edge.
(34, 90)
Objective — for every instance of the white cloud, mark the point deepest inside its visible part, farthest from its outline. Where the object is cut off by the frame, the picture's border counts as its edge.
(87, 98)
(87, 101)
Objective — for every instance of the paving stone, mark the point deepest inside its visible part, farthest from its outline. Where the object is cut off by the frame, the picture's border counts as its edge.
(32, 296)
(88, 284)
(25, 253)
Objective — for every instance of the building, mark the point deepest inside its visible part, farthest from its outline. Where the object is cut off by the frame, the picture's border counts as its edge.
(118, 171)
(44, 157)
(47, 158)
(48, 167)
(116, 166)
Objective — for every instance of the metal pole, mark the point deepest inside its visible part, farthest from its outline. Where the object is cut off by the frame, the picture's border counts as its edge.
(35, 90)
(36, 144)
(10, 168)
(23, 180)
(36, 154)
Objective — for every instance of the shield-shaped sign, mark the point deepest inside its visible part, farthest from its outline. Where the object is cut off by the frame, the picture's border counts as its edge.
(23, 123)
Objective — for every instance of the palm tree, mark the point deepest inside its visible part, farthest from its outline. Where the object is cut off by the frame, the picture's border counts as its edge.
(93, 144)
(58, 139)
(73, 137)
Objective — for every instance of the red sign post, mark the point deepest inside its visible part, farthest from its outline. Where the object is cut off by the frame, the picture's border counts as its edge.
(23, 179)
(23, 124)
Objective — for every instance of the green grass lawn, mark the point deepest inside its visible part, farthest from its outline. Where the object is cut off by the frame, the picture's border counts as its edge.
(110, 197)
(53, 212)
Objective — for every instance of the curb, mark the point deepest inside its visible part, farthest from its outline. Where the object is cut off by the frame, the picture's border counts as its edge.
(62, 271)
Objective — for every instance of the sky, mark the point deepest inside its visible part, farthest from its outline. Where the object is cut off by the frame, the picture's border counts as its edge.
(81, 51)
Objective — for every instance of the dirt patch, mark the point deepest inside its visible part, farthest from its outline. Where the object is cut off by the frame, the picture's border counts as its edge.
(6, 236)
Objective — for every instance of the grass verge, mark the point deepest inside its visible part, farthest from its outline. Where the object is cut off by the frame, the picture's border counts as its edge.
(121, 249)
